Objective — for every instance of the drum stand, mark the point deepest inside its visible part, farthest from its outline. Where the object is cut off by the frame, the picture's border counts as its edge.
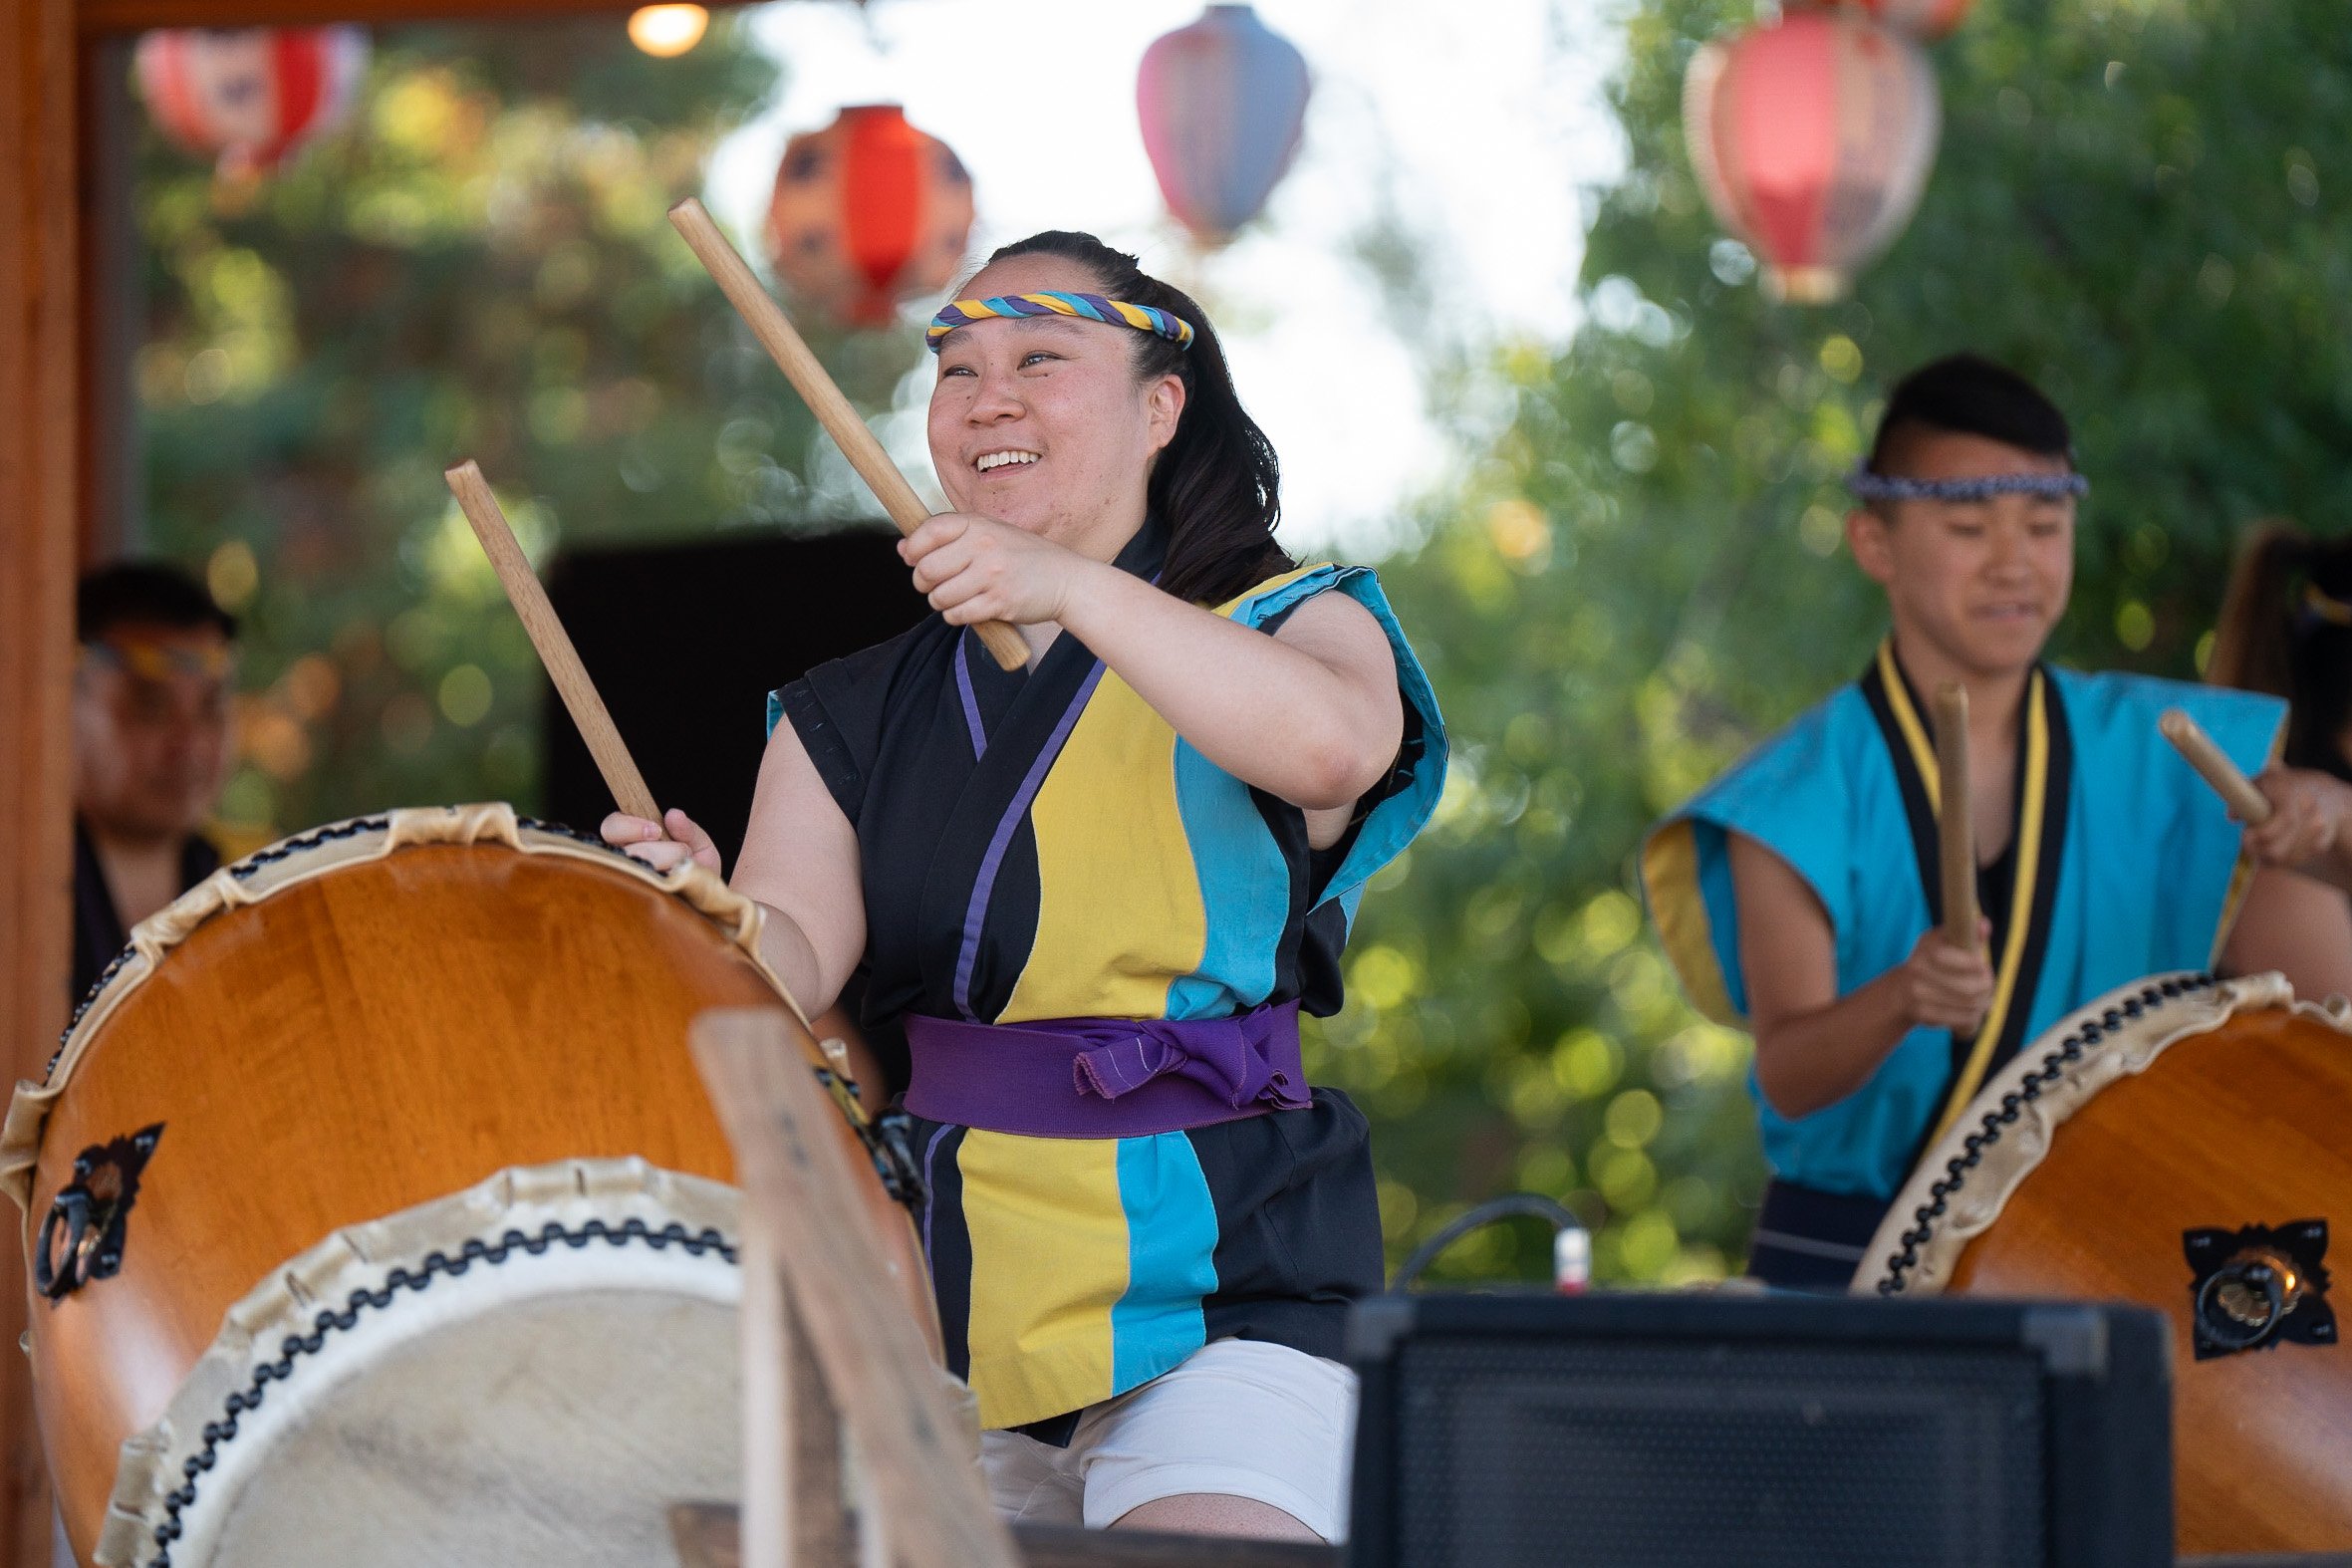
(830, 1356)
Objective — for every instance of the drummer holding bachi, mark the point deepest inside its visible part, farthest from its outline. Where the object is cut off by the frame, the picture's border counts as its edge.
(1093, 895)
(1798, 894)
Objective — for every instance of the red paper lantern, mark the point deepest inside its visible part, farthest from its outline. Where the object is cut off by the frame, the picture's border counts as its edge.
(867, 212)
(1222, 104)
(1930, 19)
(1812, 139)
(252, 95)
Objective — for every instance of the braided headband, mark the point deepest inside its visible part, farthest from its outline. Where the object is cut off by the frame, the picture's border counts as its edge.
(1868, 486)
(152, 661)
(1093, 307)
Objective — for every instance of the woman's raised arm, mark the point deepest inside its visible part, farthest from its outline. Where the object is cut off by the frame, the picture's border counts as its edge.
(1311, 715)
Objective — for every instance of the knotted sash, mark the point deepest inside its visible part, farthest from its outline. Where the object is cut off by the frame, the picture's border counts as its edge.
(1106, 1077)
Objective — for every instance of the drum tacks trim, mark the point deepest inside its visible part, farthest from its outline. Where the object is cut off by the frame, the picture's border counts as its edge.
(1949, 1199)
(300, 859)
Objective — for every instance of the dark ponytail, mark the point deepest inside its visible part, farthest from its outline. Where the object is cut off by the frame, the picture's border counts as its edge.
(2283, 631)
(1217, 485)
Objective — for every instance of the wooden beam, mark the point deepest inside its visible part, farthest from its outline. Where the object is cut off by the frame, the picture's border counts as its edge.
(40, 401)
(707, 1536)
(97, 17)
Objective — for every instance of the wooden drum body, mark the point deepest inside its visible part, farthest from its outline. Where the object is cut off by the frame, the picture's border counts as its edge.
(2171, 1145)
(428, 1253)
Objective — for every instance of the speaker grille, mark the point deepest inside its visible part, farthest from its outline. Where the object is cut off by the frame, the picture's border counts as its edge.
(1523, 1451)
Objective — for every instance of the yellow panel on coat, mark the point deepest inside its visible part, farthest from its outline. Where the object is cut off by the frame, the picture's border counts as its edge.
(1049, 1251)
(1118, 911)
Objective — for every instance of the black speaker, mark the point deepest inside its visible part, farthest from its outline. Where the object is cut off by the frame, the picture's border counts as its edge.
(1704, 1431)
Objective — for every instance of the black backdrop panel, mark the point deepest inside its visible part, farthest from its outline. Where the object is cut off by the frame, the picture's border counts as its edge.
(686, 641)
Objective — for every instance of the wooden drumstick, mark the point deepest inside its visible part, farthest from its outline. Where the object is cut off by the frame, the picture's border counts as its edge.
(776, 333)
(1956, 823)
(553, 643)
(2248, 804)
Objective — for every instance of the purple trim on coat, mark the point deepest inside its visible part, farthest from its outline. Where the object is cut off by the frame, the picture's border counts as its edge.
(975, 914)
(931, 1152)
(971, 700)
(1106, 1077)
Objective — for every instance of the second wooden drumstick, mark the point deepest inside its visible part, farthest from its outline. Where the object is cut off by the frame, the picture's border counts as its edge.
(782, 340)
(554, 643)
(1955, 821)
(2247, 803)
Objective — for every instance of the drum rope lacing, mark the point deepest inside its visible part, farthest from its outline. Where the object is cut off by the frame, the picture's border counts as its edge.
(1988, 1128)
(218, 1433)
(245, 869)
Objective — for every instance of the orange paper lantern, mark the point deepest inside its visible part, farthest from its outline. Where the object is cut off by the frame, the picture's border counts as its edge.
(252, 95)
(1812, 139)
(867, 212)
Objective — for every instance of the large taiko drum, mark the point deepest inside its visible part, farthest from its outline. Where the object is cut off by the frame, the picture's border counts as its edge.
(2186, 1145)
(377, 1214)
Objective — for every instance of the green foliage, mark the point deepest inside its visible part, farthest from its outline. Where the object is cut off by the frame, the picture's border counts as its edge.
(2135, 203)
(478, 266)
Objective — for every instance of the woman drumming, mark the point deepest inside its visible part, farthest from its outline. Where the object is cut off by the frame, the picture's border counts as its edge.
(1095, 894)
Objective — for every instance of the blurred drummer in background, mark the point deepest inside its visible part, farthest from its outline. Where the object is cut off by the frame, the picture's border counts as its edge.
(152, 749)
(1799, 894)
(2287, 629)
(1092, 895)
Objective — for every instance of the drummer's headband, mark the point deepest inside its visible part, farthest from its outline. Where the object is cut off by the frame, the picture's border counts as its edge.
(1055, 302)
(154, 661)
(1865, 486)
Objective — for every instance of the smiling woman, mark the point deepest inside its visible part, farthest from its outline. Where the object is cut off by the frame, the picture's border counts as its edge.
(1089, 897)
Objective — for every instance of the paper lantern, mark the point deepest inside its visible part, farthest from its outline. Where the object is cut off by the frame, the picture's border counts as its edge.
(867, 212)
(1222, 103)
(1929, 19)
(1812, 137)
(252, 95)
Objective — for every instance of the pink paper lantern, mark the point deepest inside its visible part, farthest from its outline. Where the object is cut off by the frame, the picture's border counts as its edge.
(867, 212)
(1222, 103)
(252, 95)
(1812, 139)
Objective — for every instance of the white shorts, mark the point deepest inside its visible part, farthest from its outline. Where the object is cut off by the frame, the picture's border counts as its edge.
(1237, 1418)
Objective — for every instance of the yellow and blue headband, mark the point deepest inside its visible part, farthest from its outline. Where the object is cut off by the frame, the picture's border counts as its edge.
(1865, 486)
(152, 661)
(1091, 306)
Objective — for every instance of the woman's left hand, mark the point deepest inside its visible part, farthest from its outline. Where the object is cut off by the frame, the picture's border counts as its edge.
(2309, 812)
(974, 569)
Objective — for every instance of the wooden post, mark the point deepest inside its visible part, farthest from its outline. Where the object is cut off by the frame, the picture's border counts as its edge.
(799, 1195)
(793, 1507)
(1956, 826)
(42, 381)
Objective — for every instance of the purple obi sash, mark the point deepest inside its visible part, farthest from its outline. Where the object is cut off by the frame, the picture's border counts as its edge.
(1104, 1077)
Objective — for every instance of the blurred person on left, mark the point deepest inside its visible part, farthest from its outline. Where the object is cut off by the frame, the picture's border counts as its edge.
(151, 750)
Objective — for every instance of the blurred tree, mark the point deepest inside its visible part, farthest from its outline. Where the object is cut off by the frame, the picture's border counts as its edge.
(479, 265)
(2136, 204)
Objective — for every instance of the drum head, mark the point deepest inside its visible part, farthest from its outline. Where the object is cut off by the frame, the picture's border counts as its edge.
(532, 1373)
